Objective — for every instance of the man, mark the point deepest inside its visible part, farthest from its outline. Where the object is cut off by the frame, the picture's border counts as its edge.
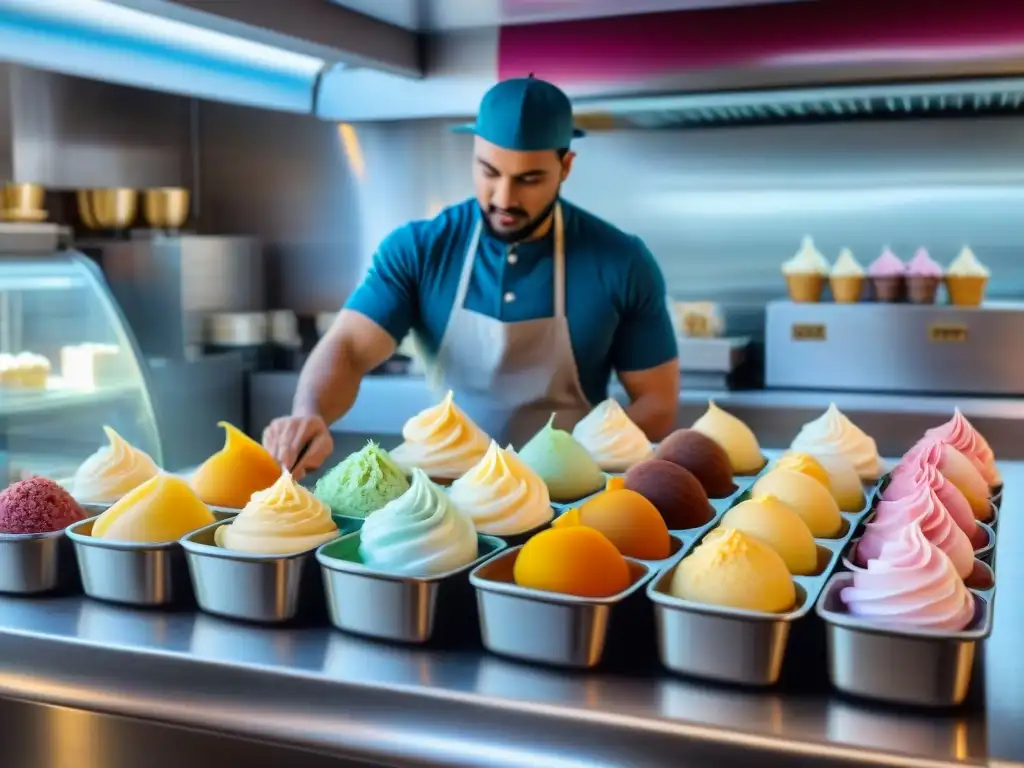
(522, 303)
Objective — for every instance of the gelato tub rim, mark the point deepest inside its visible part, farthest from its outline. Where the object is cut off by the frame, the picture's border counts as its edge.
(493, 545)
(979, 628)
(640, 572)
(18, 537)
(81, 533)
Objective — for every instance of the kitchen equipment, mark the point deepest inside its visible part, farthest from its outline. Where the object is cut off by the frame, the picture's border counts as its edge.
(895, 347)
(166, 207)
(167, 285)
(113, 208)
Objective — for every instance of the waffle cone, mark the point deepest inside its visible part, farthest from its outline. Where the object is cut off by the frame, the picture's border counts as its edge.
(921, 289)
(805, 288)
(847, 289)
(966, 291)
(888, 289)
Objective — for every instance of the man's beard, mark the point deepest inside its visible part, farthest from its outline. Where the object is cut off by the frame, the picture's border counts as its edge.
(521, 233)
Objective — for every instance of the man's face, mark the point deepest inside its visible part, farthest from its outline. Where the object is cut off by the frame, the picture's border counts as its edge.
(517, 190)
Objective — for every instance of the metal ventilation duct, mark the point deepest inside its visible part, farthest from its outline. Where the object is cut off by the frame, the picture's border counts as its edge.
(863, 102)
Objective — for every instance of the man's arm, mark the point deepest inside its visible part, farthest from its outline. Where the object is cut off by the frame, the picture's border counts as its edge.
(366, 332)
(644, 352)
(352, 347)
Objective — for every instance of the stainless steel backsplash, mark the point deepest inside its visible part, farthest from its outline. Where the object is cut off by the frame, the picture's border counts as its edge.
(720, 208)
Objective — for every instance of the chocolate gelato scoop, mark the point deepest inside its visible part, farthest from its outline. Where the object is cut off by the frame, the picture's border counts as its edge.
(37, 505)
(703, 457)
(677, 494)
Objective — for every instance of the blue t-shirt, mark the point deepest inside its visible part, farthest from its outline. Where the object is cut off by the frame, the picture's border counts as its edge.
(615, 293)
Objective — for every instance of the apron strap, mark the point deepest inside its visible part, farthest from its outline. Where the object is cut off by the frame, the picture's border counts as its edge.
(559, 266)
(467, 266)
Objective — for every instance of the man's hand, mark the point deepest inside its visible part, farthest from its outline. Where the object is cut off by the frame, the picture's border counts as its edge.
(285, 437)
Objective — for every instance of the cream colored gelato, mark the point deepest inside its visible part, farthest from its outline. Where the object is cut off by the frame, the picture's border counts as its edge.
(735, 437)
(846, 265)
(421, 533)
(284, 519)
(442, 441)
(615, 442)
(112, 471)
(501, 495)
(967, 265)
(833, 433)
(807, 261)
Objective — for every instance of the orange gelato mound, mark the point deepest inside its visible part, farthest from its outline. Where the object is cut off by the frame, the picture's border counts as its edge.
(627, 520)
(572, 560)
(234, 473)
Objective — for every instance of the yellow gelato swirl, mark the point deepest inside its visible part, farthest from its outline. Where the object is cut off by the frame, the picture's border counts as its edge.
(610, 436)
(501, 495)
(442, 441)
(162, 509)
(284, 519)
(112, 471)
(735, 437)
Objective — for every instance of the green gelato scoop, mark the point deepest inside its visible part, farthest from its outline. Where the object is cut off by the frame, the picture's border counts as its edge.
(362, 483)
(564, 464)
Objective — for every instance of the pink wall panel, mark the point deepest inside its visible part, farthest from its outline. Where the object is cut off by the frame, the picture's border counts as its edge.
(825, 32)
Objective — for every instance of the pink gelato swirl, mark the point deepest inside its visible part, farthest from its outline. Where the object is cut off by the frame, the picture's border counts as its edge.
(907, 479)
(910, 584)
(950, 462)
(887, 265)
(923, 508)
(962, 435)
(923, 265)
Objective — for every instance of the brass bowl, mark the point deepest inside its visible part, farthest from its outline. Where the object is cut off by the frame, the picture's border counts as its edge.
(82, 198)
(167, 207)
(22, 201)
(113, 208)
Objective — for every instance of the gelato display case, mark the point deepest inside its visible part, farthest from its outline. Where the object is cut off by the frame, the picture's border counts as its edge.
(68, 366)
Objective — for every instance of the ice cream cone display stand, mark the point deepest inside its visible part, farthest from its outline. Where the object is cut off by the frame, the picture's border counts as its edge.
(587, 595)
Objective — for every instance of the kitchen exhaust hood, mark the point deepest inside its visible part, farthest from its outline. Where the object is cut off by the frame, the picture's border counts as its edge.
(815, 60)
(109, 42)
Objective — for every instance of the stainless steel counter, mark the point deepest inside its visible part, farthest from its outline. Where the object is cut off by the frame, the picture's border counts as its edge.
(386, 402)
(318, 689)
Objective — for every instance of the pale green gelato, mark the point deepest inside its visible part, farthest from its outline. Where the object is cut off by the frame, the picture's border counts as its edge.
(362, 483)
(566, 467)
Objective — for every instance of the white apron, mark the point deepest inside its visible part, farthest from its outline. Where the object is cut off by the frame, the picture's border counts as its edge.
(510, 377)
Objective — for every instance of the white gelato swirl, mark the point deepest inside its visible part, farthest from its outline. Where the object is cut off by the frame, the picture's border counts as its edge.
(501, 495)
(833, 433)
(610, 436)
(846, 265)
(281, 520)
(442, 441)
(112, 471)
(420, 533)
(807, 261)
(967, 265)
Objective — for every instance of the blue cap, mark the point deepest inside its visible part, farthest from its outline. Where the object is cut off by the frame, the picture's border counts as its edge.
(525, 114)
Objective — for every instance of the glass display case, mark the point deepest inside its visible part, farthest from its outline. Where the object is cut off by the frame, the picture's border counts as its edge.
(68, 366)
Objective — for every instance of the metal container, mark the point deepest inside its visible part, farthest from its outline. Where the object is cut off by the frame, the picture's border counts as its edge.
(148, 574)
(405, 609)
(237, 329)
(260, 588)
(918, 667)
(166, 207)
(731, 645)
(22, 197)
(31, 563)
(113, 208)
(546, 627)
